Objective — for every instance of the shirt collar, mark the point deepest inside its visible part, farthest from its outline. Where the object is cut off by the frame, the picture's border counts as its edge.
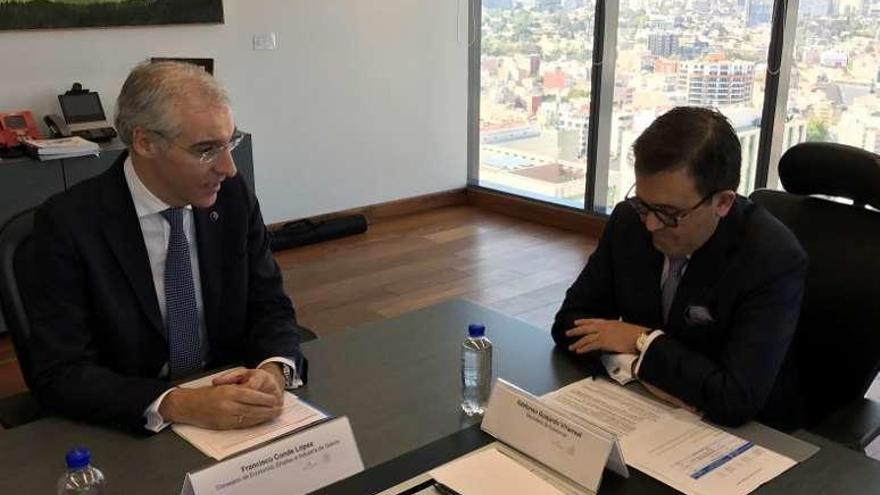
(145, 202)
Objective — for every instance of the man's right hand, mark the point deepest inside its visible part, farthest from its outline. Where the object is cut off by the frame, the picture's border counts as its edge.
(220, 407)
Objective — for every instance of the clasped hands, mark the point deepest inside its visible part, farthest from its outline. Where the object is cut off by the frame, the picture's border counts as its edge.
(238, 399)
(604, 335)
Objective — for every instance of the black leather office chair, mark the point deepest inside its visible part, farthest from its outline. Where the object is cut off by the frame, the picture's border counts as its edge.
(16, 260)
(838, 336)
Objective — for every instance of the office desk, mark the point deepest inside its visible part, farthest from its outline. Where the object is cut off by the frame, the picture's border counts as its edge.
(398, 382)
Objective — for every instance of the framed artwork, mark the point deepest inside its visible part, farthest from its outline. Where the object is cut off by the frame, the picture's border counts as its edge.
(55, 14)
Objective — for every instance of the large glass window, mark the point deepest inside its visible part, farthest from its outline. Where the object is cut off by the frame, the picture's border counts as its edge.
(835, 75)
(687, 52)
(535, 67)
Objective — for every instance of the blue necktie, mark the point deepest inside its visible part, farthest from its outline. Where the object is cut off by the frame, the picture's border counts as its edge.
(670, 285)
(181, 312)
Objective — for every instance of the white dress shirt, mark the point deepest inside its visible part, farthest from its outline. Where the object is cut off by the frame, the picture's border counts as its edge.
(620, 366)
(156, 231)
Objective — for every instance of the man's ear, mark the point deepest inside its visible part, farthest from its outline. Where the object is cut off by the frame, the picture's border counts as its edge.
(144, 143)
(723, 202)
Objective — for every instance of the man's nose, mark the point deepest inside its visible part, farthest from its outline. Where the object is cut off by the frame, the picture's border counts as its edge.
(652, 223)
(225, 165)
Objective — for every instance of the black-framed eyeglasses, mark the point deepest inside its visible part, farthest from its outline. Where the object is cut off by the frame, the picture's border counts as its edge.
(206, 154)
(669, 217)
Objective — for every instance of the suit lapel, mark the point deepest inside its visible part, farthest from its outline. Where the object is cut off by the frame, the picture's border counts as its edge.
(705, 267)
(209, 232)
(123, 233)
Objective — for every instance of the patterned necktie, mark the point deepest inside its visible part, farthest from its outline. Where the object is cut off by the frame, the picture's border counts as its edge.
(181, 312)
(670, 285)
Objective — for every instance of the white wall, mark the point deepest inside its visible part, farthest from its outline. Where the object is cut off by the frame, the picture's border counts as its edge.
(364, 101)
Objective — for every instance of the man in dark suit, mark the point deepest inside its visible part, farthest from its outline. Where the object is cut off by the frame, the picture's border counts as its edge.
(693, 290)
(159, 269)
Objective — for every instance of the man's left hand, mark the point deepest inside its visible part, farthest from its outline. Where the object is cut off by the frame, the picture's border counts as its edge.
(604, 335)
(267, 378)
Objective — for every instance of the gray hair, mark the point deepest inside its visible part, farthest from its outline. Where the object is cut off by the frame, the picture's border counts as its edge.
(153, 89)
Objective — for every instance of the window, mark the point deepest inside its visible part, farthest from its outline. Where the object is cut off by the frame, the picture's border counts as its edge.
(833, 87)
(543, 126)
(535, 98)
(698, 53)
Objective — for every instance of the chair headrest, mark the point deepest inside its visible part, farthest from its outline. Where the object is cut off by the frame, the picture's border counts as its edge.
(832, 169)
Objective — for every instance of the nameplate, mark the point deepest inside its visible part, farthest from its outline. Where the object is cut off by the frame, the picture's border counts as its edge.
(298, 463)
(556, 439)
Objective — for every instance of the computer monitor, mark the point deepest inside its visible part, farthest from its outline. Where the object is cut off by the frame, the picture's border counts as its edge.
(82, 107)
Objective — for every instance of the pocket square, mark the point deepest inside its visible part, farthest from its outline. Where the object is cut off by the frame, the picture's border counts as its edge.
(698, 315)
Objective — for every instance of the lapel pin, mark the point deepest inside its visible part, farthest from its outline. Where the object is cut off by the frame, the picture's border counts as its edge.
(215, 216)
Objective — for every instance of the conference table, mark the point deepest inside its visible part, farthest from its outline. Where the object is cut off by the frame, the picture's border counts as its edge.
(398, 382)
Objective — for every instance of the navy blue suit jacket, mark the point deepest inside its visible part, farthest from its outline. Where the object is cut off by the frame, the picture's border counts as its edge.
(726, 348)
(97, 333)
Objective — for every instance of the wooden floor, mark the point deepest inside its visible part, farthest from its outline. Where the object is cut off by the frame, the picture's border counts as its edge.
(517, 267)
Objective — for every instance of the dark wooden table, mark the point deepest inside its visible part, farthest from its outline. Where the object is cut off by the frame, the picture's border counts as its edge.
(398, 383)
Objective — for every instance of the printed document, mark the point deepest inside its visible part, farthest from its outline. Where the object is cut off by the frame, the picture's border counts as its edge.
(489, 472)
(669, 444)
(219, 444)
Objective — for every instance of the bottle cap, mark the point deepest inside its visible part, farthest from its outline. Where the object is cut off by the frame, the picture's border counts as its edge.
(476, 330)
(78, 457)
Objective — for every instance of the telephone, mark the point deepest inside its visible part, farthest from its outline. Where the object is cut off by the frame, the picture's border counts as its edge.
(57, 126)
(15, 126)
(84, 114)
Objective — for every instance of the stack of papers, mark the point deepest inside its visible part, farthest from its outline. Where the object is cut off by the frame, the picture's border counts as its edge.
(671, 445)
(53, 149)
(296, 414)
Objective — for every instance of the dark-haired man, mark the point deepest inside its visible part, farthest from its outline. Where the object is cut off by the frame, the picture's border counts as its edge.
(693, 289)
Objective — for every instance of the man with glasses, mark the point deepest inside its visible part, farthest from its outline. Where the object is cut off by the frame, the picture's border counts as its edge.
(693, 290)
(159, 269)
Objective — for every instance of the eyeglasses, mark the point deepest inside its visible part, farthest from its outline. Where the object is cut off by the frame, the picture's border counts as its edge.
(206, 154)
(669, 217)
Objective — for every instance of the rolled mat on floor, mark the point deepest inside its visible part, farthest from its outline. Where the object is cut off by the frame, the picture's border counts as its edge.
(302, 232)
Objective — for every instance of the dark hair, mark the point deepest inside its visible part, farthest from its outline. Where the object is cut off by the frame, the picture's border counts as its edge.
(699, 139)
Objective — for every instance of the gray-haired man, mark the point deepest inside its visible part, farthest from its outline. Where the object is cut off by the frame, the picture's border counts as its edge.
(159, 269)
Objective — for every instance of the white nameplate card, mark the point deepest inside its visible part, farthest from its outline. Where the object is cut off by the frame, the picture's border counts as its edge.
(578, 451)
(298, 463)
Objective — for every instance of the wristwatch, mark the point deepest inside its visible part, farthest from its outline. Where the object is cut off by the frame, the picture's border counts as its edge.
(288, 376)
(642, 340)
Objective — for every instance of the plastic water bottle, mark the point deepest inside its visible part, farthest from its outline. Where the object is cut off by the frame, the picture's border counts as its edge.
(81, 477)
(476, 370)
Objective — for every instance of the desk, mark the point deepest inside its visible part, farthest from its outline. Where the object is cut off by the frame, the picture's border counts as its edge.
(398, 382)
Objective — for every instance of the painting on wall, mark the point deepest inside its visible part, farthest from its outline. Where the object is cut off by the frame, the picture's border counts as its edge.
(55, 14)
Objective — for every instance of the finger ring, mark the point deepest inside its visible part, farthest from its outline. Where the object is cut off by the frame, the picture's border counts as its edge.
(240, 419)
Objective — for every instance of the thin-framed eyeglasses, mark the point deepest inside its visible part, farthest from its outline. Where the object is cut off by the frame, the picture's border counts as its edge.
(669, 217)
(208, 153)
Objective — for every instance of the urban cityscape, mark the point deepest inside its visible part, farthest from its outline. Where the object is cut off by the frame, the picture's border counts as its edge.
(537, 61)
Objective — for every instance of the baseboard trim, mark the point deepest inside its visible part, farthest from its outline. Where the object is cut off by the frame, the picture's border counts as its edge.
(538, 212)
(505, 204)
(390, 209)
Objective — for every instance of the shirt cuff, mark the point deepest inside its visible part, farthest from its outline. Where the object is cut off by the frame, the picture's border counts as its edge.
(651, 337)
(155, 421)
(295, 380)
(619, 366)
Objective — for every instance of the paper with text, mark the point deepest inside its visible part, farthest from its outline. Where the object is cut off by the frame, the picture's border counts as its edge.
(669, 444)
(219, 444)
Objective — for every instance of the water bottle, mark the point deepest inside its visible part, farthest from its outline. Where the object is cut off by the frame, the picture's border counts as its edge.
(81, 477)
(476, 370)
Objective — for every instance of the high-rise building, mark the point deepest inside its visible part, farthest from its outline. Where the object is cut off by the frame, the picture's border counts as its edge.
(724, 82)
(663, 44)
(497, 4)
(758, 12)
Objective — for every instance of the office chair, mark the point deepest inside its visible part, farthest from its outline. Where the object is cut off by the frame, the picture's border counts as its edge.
(16, 260)
(837, 342)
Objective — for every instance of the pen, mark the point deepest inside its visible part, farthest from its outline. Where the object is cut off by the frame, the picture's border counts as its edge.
(445, 490)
